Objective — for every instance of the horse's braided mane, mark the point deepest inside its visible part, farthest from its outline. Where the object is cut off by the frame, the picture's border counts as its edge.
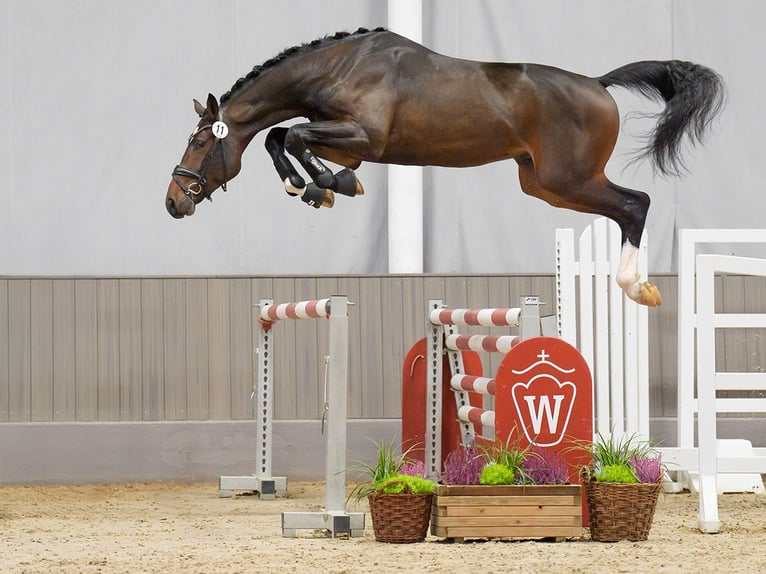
(305, 47)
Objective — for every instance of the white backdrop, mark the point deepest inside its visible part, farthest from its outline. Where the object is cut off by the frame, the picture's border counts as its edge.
(96, 107)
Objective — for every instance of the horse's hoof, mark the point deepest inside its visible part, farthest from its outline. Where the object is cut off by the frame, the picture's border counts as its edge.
(649, 295)
(346, 183)
(317, 197)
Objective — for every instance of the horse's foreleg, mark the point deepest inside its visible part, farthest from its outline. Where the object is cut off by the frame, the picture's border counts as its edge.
(294, 183)
(334, 137)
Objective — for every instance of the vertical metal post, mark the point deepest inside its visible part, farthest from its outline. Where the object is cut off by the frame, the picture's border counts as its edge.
(529, 318)
(337, 398)
(433, 414)
(262, 482)
(264, 403)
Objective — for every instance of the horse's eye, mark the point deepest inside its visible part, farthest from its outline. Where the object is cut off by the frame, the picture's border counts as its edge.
(198, 143)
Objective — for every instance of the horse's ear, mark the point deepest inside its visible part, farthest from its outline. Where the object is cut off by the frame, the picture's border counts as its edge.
(212, 107)
(199, 108)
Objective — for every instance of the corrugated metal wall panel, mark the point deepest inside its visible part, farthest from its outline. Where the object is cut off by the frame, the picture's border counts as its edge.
(131, 373)
(41, 349)
(64, 371)
(19, 350)
(152, 350)
(219, 340)
(4, 350)
(183, 348)
(174, 325)
(86, 349)
(108, 337)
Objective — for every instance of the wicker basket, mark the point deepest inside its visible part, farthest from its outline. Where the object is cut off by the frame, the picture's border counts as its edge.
(400, 518)
(621, 511)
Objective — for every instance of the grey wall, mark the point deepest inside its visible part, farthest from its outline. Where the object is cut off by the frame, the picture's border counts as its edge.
(137, 379)
(181, 349)
(96, 100)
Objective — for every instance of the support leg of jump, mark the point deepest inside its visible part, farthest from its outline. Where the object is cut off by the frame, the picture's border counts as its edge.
(262, 481)
(333, 519)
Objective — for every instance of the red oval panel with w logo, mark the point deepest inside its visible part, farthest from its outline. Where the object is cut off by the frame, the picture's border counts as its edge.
(544, 395)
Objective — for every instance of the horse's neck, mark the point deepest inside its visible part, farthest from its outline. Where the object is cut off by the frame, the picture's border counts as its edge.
(269, 100)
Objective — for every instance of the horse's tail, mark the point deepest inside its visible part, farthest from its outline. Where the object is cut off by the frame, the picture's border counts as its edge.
(693, 96)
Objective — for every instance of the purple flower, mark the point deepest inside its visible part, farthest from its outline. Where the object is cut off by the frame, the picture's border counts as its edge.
(413, 468)
(545, 466)
(463, 466)
(647, 469)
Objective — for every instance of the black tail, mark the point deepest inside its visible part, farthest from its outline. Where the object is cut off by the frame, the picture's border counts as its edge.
(693, 96)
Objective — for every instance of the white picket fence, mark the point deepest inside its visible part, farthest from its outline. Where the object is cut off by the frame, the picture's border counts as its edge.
(613, 330)
(613, 338)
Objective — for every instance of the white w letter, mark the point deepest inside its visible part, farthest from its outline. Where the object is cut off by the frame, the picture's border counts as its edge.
(544, 409)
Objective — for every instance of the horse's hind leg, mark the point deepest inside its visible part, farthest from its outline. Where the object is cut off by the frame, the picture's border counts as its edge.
(627, 207)
(631, 217)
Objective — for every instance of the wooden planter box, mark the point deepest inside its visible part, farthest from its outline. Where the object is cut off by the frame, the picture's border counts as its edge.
(529, 511)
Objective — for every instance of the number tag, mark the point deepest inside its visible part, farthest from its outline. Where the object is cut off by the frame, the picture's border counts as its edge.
(220, 130)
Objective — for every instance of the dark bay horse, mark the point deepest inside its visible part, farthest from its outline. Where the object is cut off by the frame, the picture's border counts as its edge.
(376, 96)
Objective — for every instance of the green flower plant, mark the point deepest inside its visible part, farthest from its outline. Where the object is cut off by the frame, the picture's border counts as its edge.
(497, 473)
(406, 484)
(386, 472)
(509, 455)
(622, 459)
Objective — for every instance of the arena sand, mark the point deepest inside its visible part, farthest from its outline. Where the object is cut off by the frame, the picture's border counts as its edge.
(171, 528)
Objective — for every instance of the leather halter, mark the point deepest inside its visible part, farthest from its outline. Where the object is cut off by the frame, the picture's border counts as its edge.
(200, 185)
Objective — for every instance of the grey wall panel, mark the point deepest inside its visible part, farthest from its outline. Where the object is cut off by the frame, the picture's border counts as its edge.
(174, 319)
(64, 369)
(41, 350)
(19, 350)
(108, 336)
(392, 326)
(369, 304)
(219, 341)
(131, 373)
(358, 379)
(4, 366)
(243, 343)
(86, 349)
(197, 341)
(152, 350)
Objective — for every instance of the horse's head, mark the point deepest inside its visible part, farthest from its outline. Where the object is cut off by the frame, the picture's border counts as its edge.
(210, 160)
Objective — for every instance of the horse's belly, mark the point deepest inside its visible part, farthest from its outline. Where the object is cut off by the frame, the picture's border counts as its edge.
(429, 148)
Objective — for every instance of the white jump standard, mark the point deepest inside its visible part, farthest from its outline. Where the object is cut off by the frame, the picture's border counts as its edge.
(334, 518)
(262, 482)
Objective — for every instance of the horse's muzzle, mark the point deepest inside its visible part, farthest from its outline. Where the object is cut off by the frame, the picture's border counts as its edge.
(186, 208)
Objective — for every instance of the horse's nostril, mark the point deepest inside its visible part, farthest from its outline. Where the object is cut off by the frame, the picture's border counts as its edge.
(171, 207)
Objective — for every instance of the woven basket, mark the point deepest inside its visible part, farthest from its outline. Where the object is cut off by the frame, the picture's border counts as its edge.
(621, 511)
(400, 518)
